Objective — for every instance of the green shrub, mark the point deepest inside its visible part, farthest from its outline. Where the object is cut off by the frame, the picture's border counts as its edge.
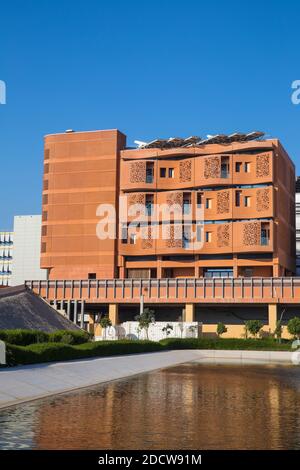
(23, 337)
(68, 337)
(266, 344)
(253, 326)
(221, 329)
(293, 327)
(27, 337)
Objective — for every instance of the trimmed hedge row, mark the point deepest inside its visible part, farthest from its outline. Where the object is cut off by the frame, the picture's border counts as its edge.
(28, 337)
(48, 352)
(264, 344)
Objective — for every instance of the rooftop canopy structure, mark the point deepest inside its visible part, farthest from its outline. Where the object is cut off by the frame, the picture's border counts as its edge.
(196, 141)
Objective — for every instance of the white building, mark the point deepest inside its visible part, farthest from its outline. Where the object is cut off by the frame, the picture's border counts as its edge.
(6, 256)
(27, 244)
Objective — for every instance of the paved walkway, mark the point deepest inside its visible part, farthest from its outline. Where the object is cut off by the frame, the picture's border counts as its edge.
(21, 384)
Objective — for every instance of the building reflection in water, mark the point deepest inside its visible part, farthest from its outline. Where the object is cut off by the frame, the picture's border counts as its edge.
(188, 406)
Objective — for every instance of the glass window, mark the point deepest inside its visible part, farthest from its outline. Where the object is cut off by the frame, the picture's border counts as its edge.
(208, 237)
(208, 203)
(247, 167)
(163, 172)
(238, 198)
(238, 166)
(171, 172)
(247, 201)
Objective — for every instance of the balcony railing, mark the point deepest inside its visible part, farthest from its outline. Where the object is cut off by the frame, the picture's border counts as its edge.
(200, 290)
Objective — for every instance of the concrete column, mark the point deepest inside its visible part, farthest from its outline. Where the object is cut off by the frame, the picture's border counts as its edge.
(75, 312)
(159, 268)
(272, 315)
(122, 272)
(113, 313)
(82, 314)
(189, 312)
(197, 272)
(276, 270)
(69, 309)
(235, 266)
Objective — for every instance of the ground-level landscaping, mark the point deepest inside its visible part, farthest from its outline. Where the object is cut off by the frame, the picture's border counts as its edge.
(32, 347)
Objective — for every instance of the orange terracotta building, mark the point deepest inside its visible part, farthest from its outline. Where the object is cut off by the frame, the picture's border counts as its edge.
(246, 190)
(245, 186)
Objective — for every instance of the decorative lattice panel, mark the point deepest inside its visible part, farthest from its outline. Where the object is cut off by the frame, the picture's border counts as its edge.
(138, 172)
(262, 199)
(185, 171)
(175, 197)
(147, 241)
(175, 240)
(263, 165)
(212, 167)
(223, 202)
(251, 234)
(136, 198)
(223, 235)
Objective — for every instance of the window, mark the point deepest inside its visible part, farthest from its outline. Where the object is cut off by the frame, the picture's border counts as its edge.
(149, 172)
(163, 172)
(218, 272)
(186, 236)
(208, 203)
(133, 239)
(199, 199)
(124, 234)
(208, 237)
(149, 204)
(265, 234)
(224, 167)
(247, 167)
(92, 276)
(171, 172)
(186, 203)
(238, 198)
(199, 233)
(247, 201)
(238, 166)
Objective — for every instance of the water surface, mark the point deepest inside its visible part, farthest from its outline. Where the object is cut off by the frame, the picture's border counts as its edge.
(189, 406)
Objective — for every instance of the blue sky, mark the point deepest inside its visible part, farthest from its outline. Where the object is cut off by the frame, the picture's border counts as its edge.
(150, 68)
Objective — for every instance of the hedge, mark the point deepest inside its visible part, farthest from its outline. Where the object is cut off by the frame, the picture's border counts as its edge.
(26, 337)
(264, 344)
(48, 352)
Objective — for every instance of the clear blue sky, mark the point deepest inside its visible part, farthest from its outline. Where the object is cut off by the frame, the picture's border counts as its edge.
(150, 68)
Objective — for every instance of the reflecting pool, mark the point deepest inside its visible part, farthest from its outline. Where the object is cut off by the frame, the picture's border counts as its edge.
(190, 406)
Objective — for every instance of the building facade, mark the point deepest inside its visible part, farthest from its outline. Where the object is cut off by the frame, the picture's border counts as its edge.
(234, 263)
(27, 243)
(245, 188)
(298, 226)
(6, 257)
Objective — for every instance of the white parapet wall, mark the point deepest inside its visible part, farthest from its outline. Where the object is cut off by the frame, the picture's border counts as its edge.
(2, 352)
(156, 331)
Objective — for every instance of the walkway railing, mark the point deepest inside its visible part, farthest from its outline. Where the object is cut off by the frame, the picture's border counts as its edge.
(203, 290)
